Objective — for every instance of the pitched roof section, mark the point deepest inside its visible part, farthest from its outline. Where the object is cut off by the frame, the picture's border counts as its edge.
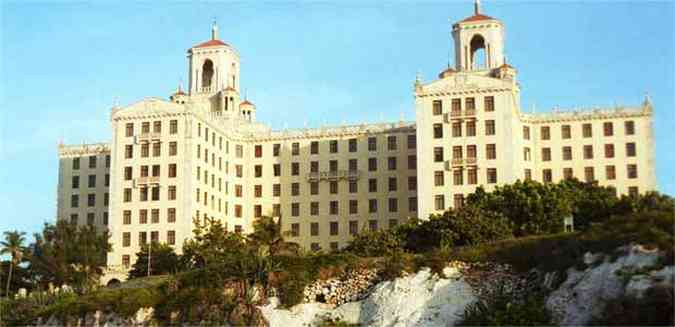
(476, 18)
(211, 43)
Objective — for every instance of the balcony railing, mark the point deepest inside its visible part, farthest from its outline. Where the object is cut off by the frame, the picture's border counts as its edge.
(333, 175)
(147, 137)
(206, 89)
(457, 115)
(143, 181)
(457, 161)
(470, 161)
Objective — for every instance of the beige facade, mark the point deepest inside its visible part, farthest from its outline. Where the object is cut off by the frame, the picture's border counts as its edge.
(202, 154)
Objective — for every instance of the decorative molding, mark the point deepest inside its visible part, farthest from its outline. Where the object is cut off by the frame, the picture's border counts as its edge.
(83, 149)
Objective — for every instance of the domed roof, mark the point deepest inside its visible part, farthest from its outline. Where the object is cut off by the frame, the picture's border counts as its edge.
(447, 72)
(246, 103)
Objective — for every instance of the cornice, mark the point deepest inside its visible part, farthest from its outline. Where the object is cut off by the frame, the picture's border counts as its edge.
(585, 115)
(83, 149)
(461, 92)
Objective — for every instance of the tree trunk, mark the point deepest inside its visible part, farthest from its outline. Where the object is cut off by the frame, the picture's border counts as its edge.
(9, 279)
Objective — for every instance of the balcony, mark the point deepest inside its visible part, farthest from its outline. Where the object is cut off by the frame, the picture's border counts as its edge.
(458, 115)
(147, 137)
(145, 181)
(334, 175)
(457, 162)
(471, 161)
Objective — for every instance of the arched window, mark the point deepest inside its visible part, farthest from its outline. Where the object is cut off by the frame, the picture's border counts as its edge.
(478, 53)
(207, 73)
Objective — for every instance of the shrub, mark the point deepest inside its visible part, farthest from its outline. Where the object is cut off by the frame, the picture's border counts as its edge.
(373, 244)
(654, 309)
(503, 309)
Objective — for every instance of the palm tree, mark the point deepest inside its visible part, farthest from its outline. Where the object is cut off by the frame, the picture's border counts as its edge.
(12, 245)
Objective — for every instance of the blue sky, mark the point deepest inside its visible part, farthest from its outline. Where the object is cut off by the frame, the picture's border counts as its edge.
(62, 64)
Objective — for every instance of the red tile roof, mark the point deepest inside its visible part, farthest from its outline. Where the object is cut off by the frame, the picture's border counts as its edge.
(210, 43)
(475, 18)
(245, 102)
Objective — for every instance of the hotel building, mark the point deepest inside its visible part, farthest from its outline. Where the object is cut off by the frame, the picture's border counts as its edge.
(202, 154)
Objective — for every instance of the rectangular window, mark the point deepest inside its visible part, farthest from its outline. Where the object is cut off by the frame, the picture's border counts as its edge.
(472, 175)
(456, 106)
(75, 182)
(393, 184)
(333, 145)
(587, 130)
(143, 216)
(588, 152)
(353, 145)
(629, 127)
(372, 205)
(490, 127)
(333, 165)
(257, 191)
(470, 128)
(470, 104)
(129, 129)
(412, 204)
(491, 175)
(458, 201)
(353, 207)
(314, 229)
(172, 170)
(526, 132)
(353, 164)
(567, 173)
(439, 202)
(439, 178)
(632, 171)
(276, 148)
(314, 208)
(128, 151)
(76, 163)
(608, 128)
(91, 200)
(173, 127)
(295, 148)
(456, 129)
(74, 201)
(277, 170)
(547, 176)
(258, 151)
(566, 131)
(609, 150)
(171, 215)
(257, 171)
(437, 109)
(126, 217)
(257, 211)
(145, 127)
(372, 164)
(295, 230)
(391, 163)
(546, 154)
(610, 172)
(314, 147)
(295, 209)
(157, 127)
(172, 192)
(372, 144)
(438, 154)
(545, 133)
(333, 187)
(295, 189)
(567, 153)
(391, 143)
(173, 148)
(630, 149)
(127, 195)
(145, 150)
(353, 187)
(154, 216)
(295, 168)
(489, 103)
(490, 151)
(393, 205)
(92, 162)
(126, 239)
(372, 185)
(457, 152)
(353, 227)
(412, 162)
(589, 174)
(458, 177)
(412, 141)
(333, 207)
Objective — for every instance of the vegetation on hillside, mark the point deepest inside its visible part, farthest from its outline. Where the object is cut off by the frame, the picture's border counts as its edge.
(221, 276)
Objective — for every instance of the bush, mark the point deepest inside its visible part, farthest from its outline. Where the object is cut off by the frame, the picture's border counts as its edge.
(377, 243)
(504, 310)
(654, 309)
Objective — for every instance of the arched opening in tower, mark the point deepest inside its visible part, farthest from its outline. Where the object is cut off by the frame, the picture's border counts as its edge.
(207, 73)
(478, 53)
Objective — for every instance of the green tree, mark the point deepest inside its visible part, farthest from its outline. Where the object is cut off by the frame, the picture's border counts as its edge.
(163, 260)
(66, 254)
(211, 244)
(12, 246)
(267, 232)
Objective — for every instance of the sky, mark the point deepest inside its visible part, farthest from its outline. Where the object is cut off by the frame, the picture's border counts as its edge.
(64, 64)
